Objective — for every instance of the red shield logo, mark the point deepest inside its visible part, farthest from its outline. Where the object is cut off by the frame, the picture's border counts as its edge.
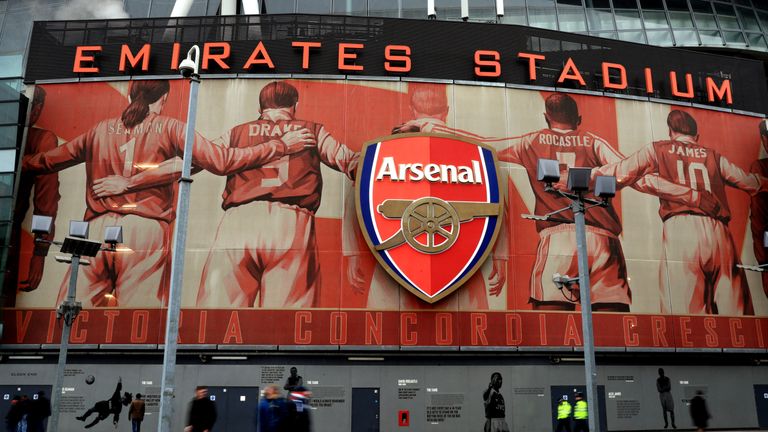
(430, 209)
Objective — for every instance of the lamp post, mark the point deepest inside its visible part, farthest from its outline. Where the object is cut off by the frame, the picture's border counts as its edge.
(77, 245)
(548, 171)
(189, 69)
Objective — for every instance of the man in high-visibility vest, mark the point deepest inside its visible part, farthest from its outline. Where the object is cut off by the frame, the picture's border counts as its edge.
(580, 414)
(563, 415)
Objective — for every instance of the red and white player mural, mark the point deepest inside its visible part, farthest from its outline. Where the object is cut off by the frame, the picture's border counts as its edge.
(271, 226)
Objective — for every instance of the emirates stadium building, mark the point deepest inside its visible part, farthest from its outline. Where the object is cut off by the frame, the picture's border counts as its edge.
(388, 214)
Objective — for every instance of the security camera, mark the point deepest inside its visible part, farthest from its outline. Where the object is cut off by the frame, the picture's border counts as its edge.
(187, 68)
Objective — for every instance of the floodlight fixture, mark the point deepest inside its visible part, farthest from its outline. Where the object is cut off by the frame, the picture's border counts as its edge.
(499, 8)
(113, 235)
(78, 229)
(605, 187)
(548, 171)
(41, 224)
(578, 179)
(80, 247)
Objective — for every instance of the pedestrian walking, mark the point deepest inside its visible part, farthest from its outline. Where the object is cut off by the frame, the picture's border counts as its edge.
(13, 416)
(39, 411)
(274, 413)
(202, 412)
(699, 412)
(580, 414)
(564, 410)
(136, 413)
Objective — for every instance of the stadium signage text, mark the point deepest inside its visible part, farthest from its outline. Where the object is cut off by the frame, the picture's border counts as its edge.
(432, 235)
(398, 60)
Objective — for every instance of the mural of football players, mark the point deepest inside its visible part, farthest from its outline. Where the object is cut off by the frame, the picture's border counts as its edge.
(565, 141)
(115, 150)
(276, 265)
(759, 207)
(701, 259)
(427, 102)
(46, 192)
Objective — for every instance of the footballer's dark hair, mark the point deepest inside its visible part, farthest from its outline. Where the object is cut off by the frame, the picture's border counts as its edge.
(278, 94)
(427, 98)
(562, 108)
(39, 97)
(682, 123)
(143, 93)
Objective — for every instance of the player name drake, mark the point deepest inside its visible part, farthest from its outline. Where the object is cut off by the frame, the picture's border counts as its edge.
(430, 172)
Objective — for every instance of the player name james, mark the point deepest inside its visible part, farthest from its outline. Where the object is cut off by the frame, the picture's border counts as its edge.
(688, 151)
(430, 172)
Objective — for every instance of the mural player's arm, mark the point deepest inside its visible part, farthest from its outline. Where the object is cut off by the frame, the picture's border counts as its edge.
(45, 203)
(217, 159)
(335, 154)
(734, 176)
(64, 156)
(351, 240)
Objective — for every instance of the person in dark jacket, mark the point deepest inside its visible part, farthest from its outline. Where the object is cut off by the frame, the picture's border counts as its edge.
(39, 411)
(13, 416)
(699, 413)
(202, 412)
(136, 413)
(274, 413)
(664, 387)
(300, 419)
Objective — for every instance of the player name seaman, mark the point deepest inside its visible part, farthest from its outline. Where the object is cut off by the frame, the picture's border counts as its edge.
(430, 172)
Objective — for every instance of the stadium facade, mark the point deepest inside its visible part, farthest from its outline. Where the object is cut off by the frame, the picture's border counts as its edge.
(290, 264)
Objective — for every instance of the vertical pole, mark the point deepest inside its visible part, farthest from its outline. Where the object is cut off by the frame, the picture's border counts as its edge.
(590, 369)
(168, 389)
(69, 318)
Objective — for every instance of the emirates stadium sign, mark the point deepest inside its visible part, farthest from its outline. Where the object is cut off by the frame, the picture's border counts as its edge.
(430, 209)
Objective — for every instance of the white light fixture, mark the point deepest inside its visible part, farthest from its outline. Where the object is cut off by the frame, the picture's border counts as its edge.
(25, 357)
(365, 358)
(238, 358)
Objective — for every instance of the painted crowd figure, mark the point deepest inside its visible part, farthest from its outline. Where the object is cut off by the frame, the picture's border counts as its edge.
(664, 387)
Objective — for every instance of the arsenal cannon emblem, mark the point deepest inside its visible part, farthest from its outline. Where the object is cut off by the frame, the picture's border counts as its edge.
(430, 208)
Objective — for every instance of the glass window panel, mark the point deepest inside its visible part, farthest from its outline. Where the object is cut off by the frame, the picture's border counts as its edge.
(743, 2)
(163, 8)
(6, 184)
(680, 19)
(9, 89)
(598, 4)
(6, 205)
(382, 8)
(572, 19)
(625, 4)
(541, 3)
(607, 35)
(414, 8)
(705, 21)
(13, 41)
(544, 18)
(734, 38)
(710, 37)
(313, 6)
(652, 4)
(600, 19)
(350, 7)
(289, 6)
(569, 3)
(213, 7)
(761, 5)
(701, 6)
(137, 8)
(4, 239)
(633, 36)
(756, 40)
(655, 20)
(728, 22)
(628, 20)
(513, 15)
(7, 161)
(659, 37)
(723, 9)
(3, 5)
(677, 5)
(514, 3)
(748, 19)
(482, 9)
(9, 113)
(763, 17)
(8, 135)
(448, 9)
(686, 38)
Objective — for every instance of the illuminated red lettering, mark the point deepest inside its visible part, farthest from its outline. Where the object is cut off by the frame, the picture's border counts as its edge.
(373, 328)
(631, 337)
(724, 91)
(571, 72)
(532, 58)
(305, 47)
(408, 336)
(344, 55)
(126, 56)
(659, 325)
(688, 93)
(301, 336)
(259, 56)
(111, 315)
(543, 329)
(233, 329)
(485, 60)
(685, 331)
(23, 318)
(648, 80)
(479, 325)
(395, 62)
(139, 326)
(622, 84)
(737, 340)
(51, 327)
(83, 55)
(219, 59)
(443, 328)
(709, 326)
(201, 326)
(79, 335)
(514, 329)
(175, 56)
(338, 328)
(571, 332)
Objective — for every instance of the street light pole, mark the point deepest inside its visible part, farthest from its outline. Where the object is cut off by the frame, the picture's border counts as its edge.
(590, 368)
(68, 310)
(189, 68)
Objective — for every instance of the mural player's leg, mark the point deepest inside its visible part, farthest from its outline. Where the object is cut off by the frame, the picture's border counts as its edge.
(231, 275)
(609, 288)
(384, 292)
(140, 271)
(292, 268)
(731, 295)
(685, 253)
(556, 254)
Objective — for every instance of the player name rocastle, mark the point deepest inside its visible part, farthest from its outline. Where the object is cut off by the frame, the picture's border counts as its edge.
(565, 140)
(430, 172)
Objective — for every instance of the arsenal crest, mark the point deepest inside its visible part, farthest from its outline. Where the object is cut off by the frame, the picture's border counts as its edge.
(430, 208)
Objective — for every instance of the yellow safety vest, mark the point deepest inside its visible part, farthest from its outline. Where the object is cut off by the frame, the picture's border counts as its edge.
(580, 412)
(563, 410)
